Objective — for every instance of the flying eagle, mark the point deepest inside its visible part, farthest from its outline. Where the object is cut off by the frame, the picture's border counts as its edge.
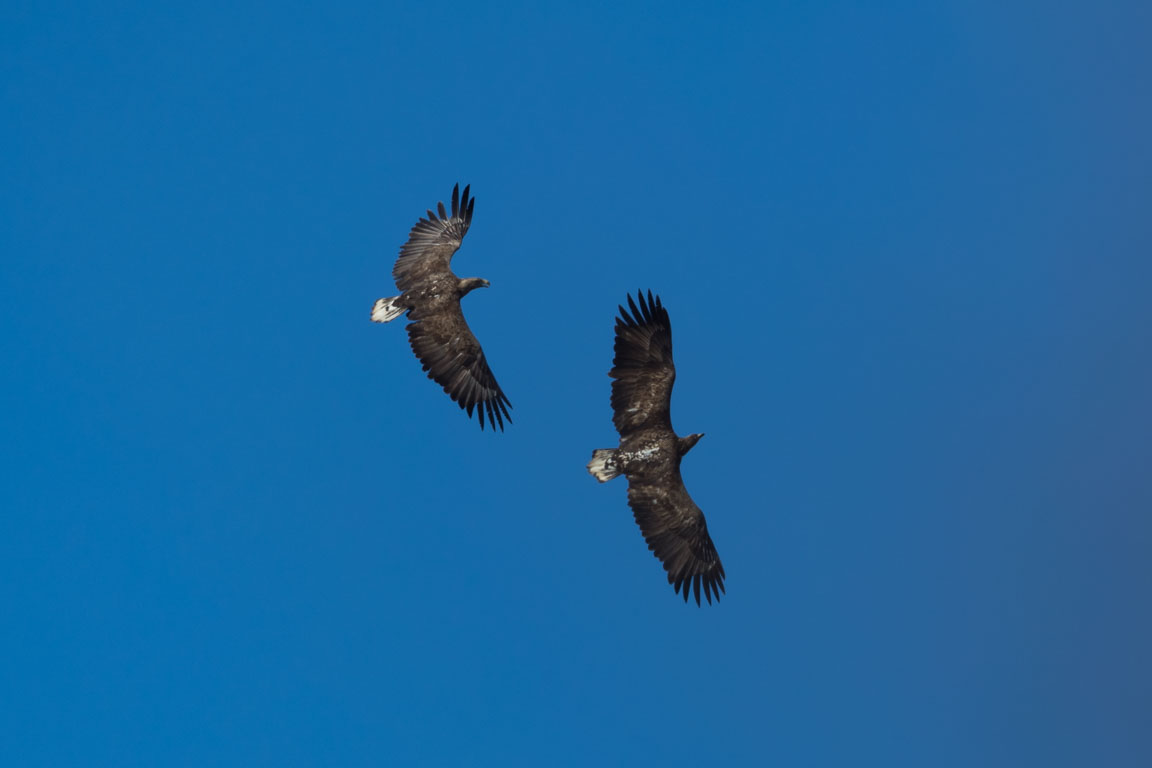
(650, 452)
(430, 294)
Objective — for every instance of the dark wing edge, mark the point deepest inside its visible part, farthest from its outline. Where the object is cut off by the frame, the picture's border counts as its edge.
(677, 535)
(642, 366)
(464, 374)
(438, 236)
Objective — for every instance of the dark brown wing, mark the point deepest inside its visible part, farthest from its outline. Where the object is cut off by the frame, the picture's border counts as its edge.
(676, 533)
(433, 240)
(453, 358)
(642, 368)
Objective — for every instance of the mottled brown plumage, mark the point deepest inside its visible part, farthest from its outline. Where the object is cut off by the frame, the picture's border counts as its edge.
(650, 452)
(430, 295)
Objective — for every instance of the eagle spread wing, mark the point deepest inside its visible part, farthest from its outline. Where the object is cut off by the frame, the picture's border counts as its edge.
(643, 374)
(642, 369)
(433, 241)
(453, 358)
(438, 332)
(676, 533)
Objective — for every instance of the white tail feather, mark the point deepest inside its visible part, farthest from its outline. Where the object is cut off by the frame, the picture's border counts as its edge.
(386, 310)
(603, 464)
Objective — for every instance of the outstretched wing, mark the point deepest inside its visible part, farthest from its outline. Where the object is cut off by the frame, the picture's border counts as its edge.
(453, 358)
(676, 533)
(433, 240)
(642, 368)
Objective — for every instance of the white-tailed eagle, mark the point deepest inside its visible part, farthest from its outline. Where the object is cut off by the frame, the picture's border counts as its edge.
(650, 452)
(430, 294)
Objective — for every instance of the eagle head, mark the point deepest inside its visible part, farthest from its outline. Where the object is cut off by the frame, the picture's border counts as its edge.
(470, 283)
(686, 443)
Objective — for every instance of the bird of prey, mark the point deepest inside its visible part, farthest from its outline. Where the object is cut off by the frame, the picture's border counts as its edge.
(650, 452)
(430, 294)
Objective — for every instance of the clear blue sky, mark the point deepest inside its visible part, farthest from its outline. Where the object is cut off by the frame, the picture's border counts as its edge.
(907, 252)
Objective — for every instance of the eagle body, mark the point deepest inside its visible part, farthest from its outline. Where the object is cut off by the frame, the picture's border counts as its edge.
(430, 297)
(650, 451)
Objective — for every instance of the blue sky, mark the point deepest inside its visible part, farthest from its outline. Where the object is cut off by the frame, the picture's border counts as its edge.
(906, 254)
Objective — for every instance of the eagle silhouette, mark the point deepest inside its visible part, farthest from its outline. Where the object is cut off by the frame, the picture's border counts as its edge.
(650, 451)
(430, 295)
